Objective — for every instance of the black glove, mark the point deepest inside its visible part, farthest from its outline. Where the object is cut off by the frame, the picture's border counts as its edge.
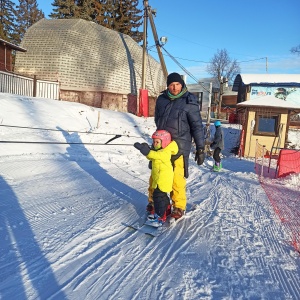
(199, 157)
(144, 148)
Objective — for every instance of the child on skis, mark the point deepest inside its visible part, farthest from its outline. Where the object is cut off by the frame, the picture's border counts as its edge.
(217, 145)
(161, 173)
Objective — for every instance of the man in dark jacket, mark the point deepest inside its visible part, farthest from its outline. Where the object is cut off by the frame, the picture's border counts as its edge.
(177, 111)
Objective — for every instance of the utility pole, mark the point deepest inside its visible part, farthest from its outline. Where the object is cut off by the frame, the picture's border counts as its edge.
(220, 97)
(207, 139)
(223, 81)
(144, 45)
(209, 104)
(143, 99)
(157, 44)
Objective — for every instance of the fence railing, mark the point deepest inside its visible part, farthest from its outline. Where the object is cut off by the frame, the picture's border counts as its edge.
(25, 86)
(284, 199)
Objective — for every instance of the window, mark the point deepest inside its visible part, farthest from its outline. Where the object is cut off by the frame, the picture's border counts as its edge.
(266, 124)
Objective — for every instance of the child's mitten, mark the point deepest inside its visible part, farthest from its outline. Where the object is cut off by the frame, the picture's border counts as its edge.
(144, 148)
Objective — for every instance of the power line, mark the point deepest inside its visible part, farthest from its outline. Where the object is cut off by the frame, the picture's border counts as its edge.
(250, 60)
(193, 42)
(185, 58)
(185, 70)
(205, 62)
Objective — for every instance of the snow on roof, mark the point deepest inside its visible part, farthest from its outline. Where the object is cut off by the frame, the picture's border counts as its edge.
(269, 101)
(271, 79)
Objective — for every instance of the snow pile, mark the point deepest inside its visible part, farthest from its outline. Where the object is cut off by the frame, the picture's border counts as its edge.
(292, 180)
(294, 138)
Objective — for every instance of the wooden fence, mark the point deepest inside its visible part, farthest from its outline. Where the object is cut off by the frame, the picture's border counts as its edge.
(25, 86)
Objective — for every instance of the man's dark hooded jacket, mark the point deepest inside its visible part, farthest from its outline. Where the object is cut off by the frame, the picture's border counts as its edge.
(181, 117)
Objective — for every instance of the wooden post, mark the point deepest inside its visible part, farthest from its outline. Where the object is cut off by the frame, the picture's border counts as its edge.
(209, 104)
(262, 161)
(98, 122)
(207, 141)
(157, 44)
(34, 86)
(144, 44)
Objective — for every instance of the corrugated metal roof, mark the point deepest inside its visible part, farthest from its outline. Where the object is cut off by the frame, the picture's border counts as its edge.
(266, 79)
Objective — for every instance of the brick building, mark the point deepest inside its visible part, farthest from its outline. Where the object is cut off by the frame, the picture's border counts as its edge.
(93, 65)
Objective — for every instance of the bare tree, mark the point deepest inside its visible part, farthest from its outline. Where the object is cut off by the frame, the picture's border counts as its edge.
(222, 66)
(223, 69)
(296, 50)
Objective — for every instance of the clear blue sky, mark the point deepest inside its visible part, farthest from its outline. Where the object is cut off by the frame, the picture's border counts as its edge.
(250, 31)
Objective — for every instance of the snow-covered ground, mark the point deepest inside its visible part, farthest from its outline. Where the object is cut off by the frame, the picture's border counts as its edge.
(64, 206)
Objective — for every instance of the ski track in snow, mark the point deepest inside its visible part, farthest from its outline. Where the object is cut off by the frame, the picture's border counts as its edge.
(64, 210)
(103, 249)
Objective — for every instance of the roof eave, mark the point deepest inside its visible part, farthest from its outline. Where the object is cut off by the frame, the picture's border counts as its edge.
(12, 46)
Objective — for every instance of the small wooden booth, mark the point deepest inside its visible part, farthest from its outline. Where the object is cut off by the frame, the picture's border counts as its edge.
(265, 120)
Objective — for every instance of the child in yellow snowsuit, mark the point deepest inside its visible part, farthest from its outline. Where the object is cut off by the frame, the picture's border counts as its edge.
(161, 172)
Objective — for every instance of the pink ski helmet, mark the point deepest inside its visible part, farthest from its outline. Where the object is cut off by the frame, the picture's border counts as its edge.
(164, 136)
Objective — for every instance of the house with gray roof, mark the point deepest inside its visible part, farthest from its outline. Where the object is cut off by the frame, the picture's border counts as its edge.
(202, 91)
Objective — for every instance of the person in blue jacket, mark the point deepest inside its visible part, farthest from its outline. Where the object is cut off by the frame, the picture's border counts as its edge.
(217, 145)
(178, 111)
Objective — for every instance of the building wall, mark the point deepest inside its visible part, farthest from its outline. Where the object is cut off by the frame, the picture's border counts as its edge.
(5, 58)
(87, 59)
(229, 100)
(285, 93)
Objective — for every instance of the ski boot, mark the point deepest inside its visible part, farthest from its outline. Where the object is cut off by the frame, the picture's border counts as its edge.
(217, 166)
(177, 213)
(150, 209)
(156, 220)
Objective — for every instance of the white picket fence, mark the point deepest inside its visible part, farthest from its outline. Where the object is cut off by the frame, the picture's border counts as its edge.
(25, 86)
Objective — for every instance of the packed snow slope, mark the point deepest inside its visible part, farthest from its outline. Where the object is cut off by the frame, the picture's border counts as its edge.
(66, 197)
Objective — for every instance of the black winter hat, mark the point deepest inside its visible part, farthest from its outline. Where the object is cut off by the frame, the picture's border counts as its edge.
(175, 77)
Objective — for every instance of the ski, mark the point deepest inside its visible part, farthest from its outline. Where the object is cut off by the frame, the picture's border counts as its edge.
(145, 226)
(170, 223)
(157, 231)
(139, 223)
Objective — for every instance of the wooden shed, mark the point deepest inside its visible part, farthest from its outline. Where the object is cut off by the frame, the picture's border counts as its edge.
(6, 58)
(266, 119)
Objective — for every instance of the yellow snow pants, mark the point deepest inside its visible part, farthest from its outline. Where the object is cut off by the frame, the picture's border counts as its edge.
(178, 194)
